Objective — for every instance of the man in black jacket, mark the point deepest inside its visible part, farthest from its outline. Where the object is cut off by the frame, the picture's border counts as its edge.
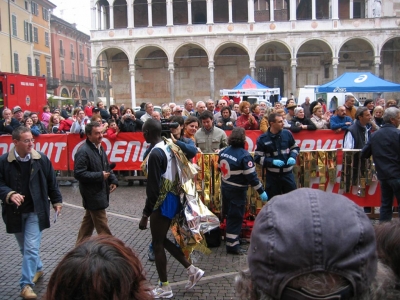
(384, 146)
(27, 182)
(355, 137)
(96, 182)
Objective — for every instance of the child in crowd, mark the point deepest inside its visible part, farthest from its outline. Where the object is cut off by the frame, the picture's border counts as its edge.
(46, 116)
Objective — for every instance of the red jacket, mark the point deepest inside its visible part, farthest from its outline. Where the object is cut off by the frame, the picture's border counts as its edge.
(65, 125)
(88, 111)
(243, 121)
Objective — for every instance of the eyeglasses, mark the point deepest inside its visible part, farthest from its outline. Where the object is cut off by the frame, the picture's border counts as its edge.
(27, 141)
(178, 111)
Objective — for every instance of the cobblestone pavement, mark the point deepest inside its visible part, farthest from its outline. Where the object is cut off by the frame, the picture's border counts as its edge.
(123, 214)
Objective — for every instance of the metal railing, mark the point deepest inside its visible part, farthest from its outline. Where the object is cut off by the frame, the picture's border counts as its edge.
(52, 83)
(72, 55)
(62, 52)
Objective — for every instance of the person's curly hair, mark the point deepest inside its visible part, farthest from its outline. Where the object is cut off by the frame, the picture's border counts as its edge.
(242, 105)
(101, 267)
(237, 138)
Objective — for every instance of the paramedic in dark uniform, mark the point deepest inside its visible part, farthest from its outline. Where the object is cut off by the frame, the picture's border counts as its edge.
(237, 172)
(276, 151)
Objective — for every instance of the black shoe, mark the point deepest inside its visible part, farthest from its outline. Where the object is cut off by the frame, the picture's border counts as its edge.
(238, 251)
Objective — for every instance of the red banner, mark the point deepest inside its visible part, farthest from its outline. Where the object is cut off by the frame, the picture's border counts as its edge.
(128, 149)
(53, 145)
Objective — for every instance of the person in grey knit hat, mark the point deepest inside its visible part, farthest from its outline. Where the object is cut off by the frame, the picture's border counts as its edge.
(309, 244)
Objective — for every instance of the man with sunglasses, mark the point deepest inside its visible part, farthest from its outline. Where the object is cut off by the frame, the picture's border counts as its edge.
(27, 182)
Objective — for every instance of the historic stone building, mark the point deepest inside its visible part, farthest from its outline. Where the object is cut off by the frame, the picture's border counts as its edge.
(169, 50)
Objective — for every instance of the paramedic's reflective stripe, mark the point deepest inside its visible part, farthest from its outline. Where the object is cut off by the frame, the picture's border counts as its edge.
(262, 161)
(259, 153)
(257, 186)
(232, 240)
(278, 170)
(245, 172)
(234, 184)
(231, 236)
(294, 146)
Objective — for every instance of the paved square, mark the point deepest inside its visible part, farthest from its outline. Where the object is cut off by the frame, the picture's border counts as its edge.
(124, 213)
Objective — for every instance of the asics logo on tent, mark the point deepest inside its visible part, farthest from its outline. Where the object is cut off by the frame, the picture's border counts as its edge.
(361, 78)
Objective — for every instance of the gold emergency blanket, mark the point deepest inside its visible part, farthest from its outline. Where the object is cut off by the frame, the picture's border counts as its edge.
(196, 218)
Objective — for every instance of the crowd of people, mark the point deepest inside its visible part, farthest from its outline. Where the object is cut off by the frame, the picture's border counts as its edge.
(334, 270)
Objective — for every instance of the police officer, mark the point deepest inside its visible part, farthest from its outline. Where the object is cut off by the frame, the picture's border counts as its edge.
(237, 172)
(276, 151)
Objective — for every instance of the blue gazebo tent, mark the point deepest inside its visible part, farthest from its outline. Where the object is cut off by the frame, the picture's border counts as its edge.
(358, 82)
(248, 86)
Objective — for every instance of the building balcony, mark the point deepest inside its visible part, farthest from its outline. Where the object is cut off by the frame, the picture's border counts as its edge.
(69, 77)
(81, 57)
(278, 29)
(87, 79)
(72, 55)
(52, 83)
(62, 52)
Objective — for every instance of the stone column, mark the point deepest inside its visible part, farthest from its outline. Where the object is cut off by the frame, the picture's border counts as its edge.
(94, 80)
(351, 13)
(335, 63)
(104, 19)
(250, 11)
(131, 23)
(111, 16)
(230, 10)
(99, 16)
(171, 69)
(335, 9)
(253, 68)
(313, 9)
(149, 13)
(294, 75)
(211, 67)
(271, 11)
(377, 62)
(189, 12)
(133, 87)
(170, 13)
(210, 12)
(292, 10)
(107, 78)
(93, 18)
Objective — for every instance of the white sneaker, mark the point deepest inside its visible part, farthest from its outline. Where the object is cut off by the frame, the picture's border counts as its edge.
(162, 292)
(194, 277)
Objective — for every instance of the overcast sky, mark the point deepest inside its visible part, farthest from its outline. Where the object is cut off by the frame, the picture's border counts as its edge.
(74, 11)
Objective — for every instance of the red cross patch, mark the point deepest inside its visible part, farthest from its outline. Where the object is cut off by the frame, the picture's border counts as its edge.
(225, 169)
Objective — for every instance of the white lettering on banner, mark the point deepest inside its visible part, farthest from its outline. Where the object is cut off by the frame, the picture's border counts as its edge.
(250, 144)
(47, 149)
(311, 144)
(4, 148)
(121, 151)
(77, 146)
(117, 150)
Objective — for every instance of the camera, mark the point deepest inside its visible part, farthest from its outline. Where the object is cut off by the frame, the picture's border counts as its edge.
(166, 126)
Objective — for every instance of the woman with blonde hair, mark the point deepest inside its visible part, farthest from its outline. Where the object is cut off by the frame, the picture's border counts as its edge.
(377, 118)
(264, 125)
(320, 119)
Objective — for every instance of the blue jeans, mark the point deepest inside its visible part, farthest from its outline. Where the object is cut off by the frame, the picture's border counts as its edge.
(389, 189)
(29, 243)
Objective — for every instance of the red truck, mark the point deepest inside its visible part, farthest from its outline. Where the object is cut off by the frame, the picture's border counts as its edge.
(28, 92)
